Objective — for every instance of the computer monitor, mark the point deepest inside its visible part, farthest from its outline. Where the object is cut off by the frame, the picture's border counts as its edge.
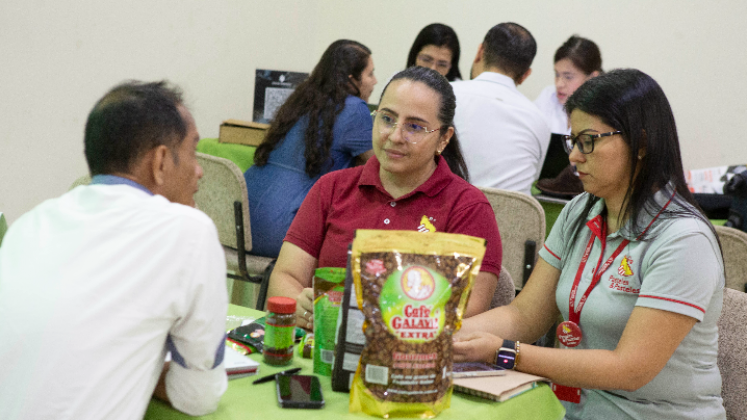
(271, 89)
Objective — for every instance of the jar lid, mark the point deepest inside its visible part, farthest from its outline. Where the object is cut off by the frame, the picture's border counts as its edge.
(281, 305)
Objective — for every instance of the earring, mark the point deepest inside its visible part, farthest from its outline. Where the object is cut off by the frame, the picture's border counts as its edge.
(640, 157)
(438, 153)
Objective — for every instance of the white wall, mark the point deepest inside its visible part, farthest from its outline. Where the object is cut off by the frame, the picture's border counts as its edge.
(57, 58)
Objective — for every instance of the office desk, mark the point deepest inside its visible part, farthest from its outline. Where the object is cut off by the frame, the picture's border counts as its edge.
(243, 400)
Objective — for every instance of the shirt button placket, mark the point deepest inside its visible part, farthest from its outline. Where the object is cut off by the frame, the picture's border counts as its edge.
(393, 204)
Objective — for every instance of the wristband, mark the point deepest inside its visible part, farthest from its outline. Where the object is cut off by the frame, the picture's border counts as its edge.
(516, 362)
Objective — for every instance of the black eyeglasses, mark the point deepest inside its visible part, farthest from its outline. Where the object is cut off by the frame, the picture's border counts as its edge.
(585, 142)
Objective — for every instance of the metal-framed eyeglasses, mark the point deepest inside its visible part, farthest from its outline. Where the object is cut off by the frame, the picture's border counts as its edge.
(411, 132)
(585, 142)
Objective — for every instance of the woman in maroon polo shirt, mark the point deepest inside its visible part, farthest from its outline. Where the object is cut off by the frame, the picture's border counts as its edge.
(416, 181)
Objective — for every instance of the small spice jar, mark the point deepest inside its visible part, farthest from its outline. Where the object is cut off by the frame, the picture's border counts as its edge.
(280, 326)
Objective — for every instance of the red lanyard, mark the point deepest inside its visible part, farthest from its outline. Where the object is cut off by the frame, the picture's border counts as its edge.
(598, 227)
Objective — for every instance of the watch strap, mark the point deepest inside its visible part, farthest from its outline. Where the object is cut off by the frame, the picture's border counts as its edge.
(505, 356)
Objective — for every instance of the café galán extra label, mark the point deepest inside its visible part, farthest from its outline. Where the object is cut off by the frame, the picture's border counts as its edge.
(412, 303)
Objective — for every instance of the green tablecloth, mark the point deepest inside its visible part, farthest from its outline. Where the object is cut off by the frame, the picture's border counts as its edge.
(242, 156)
(243, 400)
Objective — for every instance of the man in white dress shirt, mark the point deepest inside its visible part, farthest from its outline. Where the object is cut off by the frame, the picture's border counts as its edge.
(97, 285)
(503, 135)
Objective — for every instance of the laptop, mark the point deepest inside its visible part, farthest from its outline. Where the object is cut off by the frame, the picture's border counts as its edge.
(556, 159)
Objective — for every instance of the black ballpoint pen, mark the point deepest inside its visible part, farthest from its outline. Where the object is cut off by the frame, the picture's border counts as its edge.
(272, 377)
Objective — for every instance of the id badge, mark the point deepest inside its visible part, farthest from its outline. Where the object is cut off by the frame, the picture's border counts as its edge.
(569, 334)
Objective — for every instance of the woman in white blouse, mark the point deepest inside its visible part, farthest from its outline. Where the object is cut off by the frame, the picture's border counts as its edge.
(576, 61)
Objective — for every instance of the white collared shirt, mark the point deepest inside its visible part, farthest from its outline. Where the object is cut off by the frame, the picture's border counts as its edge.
(93, 285)
(553, 110)
(503, 135)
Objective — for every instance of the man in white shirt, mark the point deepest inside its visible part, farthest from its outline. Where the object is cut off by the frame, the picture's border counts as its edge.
(503, 135)
(97, 285)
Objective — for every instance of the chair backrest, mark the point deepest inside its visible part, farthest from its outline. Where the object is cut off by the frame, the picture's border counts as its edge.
(221, 185)
(84, 180)
(734, 245)
(505, 291)
(3, 227)
(520, 219)
(732, 353)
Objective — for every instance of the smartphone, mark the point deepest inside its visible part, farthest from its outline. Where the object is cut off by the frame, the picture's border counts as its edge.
(299, 391)
(252, 334)
(474, 369)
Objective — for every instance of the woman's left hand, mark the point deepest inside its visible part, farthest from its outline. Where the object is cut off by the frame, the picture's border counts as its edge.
(476, 347)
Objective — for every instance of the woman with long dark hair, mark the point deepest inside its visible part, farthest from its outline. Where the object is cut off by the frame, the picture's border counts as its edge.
(415, 181)
(323, 126)
(633, 266)
(437, 47)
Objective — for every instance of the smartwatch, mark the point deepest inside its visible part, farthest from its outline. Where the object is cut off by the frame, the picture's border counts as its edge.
(505, 356)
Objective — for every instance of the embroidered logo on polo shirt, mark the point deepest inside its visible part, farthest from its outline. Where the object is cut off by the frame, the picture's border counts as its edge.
(624, 269)
(622, 285)
(426, 225)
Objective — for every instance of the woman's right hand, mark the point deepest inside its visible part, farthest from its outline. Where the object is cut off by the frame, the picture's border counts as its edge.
(305, 309)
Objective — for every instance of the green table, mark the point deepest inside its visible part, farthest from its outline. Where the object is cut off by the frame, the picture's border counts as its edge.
(241, 155)
(243, 400)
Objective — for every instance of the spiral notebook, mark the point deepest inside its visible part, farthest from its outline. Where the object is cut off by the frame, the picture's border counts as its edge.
(498, 388)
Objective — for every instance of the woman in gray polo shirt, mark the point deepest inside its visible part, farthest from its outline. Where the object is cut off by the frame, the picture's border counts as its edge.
(633, 266)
